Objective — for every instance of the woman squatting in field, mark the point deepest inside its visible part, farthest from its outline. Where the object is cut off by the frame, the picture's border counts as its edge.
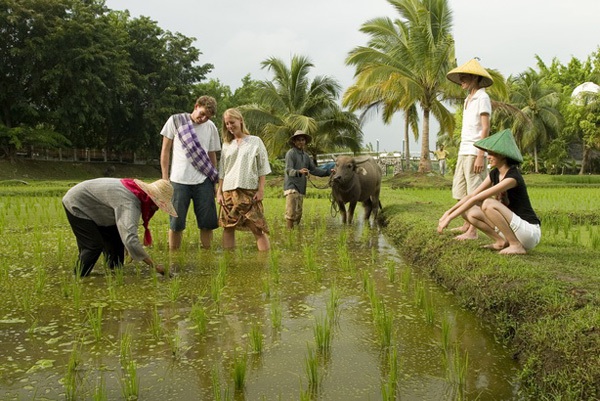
(500, 206)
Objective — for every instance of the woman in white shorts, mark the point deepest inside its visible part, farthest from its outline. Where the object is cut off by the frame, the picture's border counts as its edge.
(500, 206)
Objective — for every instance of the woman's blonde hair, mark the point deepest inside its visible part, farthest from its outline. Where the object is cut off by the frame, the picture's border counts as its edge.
(235, 114)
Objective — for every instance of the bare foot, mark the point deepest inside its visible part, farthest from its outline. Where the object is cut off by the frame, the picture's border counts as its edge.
(465, 236)
(496, 246)
(513, 250)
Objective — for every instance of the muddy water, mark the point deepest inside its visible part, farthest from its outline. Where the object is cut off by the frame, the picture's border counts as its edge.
(443, 352)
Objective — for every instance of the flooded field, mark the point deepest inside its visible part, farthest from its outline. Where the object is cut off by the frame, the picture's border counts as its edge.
(331, 313)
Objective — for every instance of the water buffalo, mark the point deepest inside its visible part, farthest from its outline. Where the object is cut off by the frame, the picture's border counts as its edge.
(356, 179)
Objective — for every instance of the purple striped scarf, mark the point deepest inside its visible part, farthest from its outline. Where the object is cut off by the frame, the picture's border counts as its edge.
(193, 150)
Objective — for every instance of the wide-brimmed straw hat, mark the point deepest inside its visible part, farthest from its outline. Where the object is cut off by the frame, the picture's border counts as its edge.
(161, 192)
(474, 68)
(299, 134)
(502, 143)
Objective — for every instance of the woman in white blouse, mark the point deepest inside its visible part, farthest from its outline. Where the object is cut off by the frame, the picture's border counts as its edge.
(243, 166)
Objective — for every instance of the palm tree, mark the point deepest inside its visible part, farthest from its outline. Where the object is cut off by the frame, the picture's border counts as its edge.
(292, 102)
(539, 119)
(406, 61)
(370, 97)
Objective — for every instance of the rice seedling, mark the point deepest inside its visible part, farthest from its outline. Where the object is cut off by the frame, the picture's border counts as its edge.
(100, 393)
(345, 258)
(174, 289)
(173, 339)
(311, 367)
(429, 310)
(406, 278)
(94, 318)
(342, 239)
(266, 285)
(125, 346)
(323, 333)
(130, 384)
(111, 287)
(32, 328)
(333, 304)
(40, 279)
(276, 313)
(389, 387)
(76, 291)
(419, 294)
(238, 372)
(119, 273)
(218, 393)
(155, 324)
(311, 263)
(274, 256)
(457, 371)
(199, 316)
(385, 325)
(369, 287)
(216, 291)
(256, 338)
(391, 270)
(71, 380)
(26, 300)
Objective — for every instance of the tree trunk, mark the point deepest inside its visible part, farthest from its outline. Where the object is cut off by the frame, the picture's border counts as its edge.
(406, 149)
(425, 162)
(585, 160)
(535, 159)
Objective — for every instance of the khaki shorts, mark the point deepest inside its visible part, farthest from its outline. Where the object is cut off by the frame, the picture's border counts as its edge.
(465, 181)
(293, 206)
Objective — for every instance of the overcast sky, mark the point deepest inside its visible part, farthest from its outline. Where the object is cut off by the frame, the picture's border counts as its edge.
(236, 35)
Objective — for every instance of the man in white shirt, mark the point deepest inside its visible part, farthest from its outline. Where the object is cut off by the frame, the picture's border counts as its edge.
(193, 140)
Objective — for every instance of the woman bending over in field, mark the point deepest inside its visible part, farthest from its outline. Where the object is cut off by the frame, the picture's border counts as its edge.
(500, 206)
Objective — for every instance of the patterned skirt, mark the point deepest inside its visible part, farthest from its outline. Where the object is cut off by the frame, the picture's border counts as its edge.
(241, 212)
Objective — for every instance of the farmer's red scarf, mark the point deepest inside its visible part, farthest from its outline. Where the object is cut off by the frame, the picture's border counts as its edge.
(147, 207)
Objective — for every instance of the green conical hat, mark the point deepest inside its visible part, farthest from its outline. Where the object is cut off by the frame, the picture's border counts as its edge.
(502, 143)
(474, 68)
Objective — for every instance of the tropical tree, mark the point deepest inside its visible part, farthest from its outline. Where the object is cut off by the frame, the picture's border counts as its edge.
(581, 112)
(292, 102)
(539, 119)
(371, 97)
(406, 61)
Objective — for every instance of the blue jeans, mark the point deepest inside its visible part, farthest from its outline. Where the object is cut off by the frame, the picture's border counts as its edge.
(205, 208)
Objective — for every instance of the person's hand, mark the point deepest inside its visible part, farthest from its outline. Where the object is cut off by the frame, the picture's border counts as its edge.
(443, 223)
(479, 164)
(259, 195)
(160, 269)
(304, 171)
(219, 197)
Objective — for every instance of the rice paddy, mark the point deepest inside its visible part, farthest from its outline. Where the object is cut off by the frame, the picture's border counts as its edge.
(330, 313)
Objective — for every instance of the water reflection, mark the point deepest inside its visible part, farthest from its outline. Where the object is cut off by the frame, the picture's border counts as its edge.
(443, 352)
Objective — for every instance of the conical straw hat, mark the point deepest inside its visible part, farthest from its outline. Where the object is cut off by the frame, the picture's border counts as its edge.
(161, 192)
(502, 143)
(299, 134)
(474, 68)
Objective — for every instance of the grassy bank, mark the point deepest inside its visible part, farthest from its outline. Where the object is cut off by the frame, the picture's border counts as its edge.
(544, 305)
